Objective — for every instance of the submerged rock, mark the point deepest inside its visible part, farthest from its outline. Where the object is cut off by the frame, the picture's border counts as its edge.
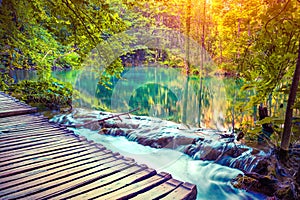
(273, 178)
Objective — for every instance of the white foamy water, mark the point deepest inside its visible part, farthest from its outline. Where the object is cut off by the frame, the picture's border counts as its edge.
(212, 180)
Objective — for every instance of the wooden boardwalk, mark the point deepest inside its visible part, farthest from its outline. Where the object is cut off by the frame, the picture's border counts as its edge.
(10, 106)
(41, 160)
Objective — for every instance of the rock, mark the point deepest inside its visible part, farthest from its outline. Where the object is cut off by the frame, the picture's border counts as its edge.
(257, 183)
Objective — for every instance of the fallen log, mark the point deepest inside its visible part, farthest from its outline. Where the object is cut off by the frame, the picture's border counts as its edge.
(102, 120)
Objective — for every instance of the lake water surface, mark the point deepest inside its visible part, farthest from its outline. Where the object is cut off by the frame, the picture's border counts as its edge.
(165, 93)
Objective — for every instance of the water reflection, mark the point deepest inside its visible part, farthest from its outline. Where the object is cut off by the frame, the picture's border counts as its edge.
(213, 102)
(158, 92)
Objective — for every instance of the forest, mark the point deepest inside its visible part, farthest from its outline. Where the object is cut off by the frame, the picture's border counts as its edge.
(255, 42)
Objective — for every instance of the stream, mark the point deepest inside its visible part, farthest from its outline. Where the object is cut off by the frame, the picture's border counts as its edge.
(213, 180)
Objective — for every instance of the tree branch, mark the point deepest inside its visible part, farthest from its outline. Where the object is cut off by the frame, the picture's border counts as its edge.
(82, 22)
(275, 17)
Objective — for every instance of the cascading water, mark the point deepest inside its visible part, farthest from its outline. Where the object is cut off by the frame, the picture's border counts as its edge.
(172, 143)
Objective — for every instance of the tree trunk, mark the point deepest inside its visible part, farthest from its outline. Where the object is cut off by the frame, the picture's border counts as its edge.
(185, 101)
(202, 37)
(188, 30)
(286, 136)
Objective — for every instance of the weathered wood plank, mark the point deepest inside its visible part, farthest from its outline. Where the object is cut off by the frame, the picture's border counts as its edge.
(30, 133)
(36, 135)
(13, 112)
(75, 183)
(159, 191)
(44, 152)
(16, 153)
(24, 128)
(27, 189)
(7, 99)
(22, 123)
(133, 189)
(39, 147)
(30, 140)
(10, 105)
(89, 153)
(54, 172)
(40, 161)
(25, 117)
(22, 154)
(87, 187)
(185, 191)
(21, 146)
(27, 125)
(4, 100)
(117, 185)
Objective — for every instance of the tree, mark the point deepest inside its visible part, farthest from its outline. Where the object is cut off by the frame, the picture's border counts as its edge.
(49, 33)
(268, 59)
(285, 140)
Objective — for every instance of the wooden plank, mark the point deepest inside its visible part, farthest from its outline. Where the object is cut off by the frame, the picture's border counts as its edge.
(40, 161)
(28, 132)
(51, 149)
(86, 154)
(26, 127)
(43, 152)
(5, 97)
(21, 146)
(31, 140)
(32, 153)
(29, 188)
(21, 123)
(159, 191)
(21, 117)
(12, 103)
(88, 187)
(133, 189)
(35, 126)
(24, 120)
(86, 159)
(185, 191)
(117, 185)
(39, 147)
(31, 133)
(75, 183)
(12, 112)
(35, 135)
(8, 100)
(11, 100)
(16, 101)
